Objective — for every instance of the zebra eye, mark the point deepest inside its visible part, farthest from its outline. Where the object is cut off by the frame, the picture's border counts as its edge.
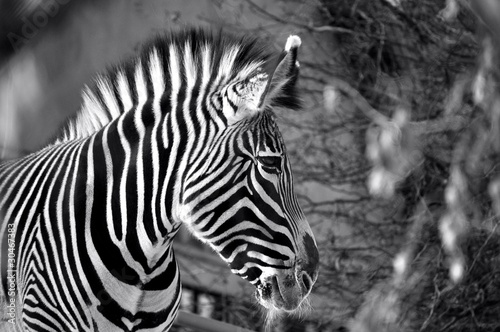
(270, 161)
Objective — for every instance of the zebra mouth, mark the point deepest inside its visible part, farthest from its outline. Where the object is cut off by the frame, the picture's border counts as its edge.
(272, 295)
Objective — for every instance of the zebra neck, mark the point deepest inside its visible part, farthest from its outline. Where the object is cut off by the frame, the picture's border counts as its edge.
(137, 86)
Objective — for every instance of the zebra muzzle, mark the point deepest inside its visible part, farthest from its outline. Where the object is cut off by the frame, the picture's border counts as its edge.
(284, 291)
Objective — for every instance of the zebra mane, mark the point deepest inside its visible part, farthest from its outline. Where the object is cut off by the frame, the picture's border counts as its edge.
(101, 103)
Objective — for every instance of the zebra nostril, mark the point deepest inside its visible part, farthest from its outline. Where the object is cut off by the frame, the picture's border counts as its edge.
(306, 282)
(312, 263)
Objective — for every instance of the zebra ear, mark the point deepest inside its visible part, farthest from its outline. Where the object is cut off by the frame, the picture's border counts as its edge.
(284, 72)
(257, 91)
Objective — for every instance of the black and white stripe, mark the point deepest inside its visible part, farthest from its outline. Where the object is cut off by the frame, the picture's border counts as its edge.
(184, 133)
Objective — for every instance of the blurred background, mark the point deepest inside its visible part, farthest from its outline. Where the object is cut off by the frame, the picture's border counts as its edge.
(395, 154)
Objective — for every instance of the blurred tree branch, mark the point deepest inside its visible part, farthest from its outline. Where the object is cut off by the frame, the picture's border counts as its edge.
(398, 155)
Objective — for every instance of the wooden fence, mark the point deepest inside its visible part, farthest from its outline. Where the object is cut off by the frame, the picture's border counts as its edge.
(202, 324)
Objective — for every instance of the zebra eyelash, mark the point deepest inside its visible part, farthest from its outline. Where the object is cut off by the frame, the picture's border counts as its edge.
(272, 163)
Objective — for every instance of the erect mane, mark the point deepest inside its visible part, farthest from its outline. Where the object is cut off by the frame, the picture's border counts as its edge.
(228, 53)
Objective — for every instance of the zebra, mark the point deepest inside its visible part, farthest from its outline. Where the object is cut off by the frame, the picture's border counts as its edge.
(183, 133)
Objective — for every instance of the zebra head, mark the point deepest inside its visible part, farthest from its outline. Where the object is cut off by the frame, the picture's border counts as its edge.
(239, 196)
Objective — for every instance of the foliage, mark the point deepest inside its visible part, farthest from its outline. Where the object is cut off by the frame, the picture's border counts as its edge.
(397, 159)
